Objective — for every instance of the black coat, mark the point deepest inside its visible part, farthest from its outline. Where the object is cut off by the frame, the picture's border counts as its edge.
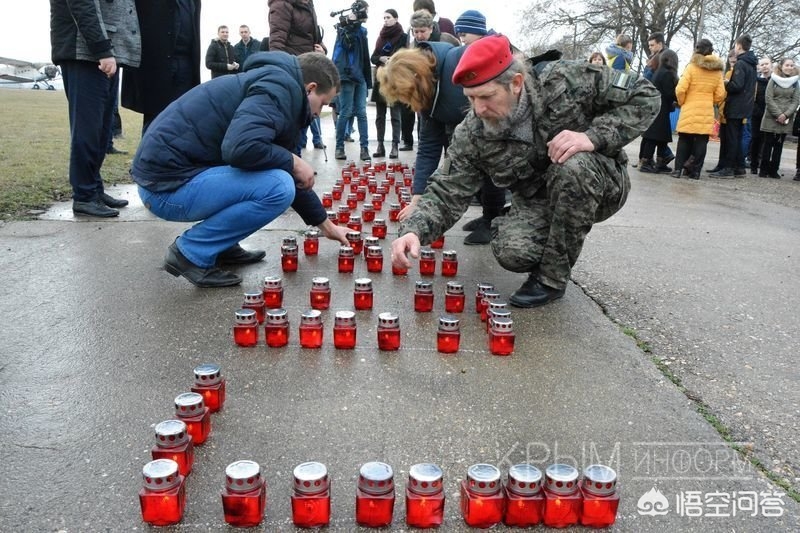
(742, 87)
(218, 56)
(150, 88)
(661, 128)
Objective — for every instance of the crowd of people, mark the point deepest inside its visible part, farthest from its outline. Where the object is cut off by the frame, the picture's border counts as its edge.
(228, 154)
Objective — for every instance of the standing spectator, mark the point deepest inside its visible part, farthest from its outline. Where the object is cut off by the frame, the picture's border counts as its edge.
(293, 29)
(246, 46)
(351, 57)
(89, 56)
(756, 139)
(391, 39)
(221, 156)
(620, 54)
(699, 89)
(724, 137)
(659, 134)
(597, 58)
(782, 99)
(264, 44)
(170, 57)
(441, 24)
(796, 133)
(471, 26)
(220, 56)
(741, 91)
(655, 43)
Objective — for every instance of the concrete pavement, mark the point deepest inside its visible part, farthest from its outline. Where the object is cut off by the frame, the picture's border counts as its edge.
(98, 340)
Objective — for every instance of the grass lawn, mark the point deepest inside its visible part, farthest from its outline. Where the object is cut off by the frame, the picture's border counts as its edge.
(34, 151)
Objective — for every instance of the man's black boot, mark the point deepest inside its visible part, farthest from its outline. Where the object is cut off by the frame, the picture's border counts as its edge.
(481, 234)
(365, 154)
(533, 294)
(380, 152)
(110, 201)
(393, 154)
(176, 264)
(94, 208)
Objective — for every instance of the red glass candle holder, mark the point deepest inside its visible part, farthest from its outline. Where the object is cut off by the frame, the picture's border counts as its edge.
(356, 241)
(398, 270)
(424, 496)
(390, 177)
(245, 328)
(355, 223)
(245, 494)
(361, 195)
(367, 213)
(377, 201)
(163, 494)
(501, 336)
(449, 263)
(174, 442)
(427, 262)
(600, 496)
(379, 228)
(276, 332)
(374, 259)
(524, 496)
(454, 297)
(289, 258)
(273, 291)
(383, 190)
(311, 242)
(327, 200)
(438, 243)
(362, 294)
(190, 409)
(255, 300)
(494, 314)
(343, 214)
(562, 499)
(344, 330)
(394, 211)
(346, 259)
(311, 498)
(209, 382)
(388, 332)
(488, 296)
(347, 175)
(320, 295)
(372, 187)
(482, 501)
(311, 330)
(352, 201)
(336, 192)
(482, 287)
(448, 337)
(370, 240)
(375, 495)
(423, 296)
(333, 217)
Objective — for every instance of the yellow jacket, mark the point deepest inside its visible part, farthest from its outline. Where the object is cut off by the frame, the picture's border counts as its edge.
(699, 89)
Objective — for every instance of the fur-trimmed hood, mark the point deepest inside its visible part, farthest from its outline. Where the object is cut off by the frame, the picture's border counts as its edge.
(709, 62)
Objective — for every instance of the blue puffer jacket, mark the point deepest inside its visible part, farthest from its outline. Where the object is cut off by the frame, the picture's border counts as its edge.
(449, 108)
(250, 121)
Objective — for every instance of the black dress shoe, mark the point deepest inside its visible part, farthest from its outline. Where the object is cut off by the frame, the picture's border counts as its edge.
(110, 201)
(176, 264)
(406, 148)
(236, 255)
(722, 173)
(115, 151)
(95, 208)
(533, 294)
(340, 154)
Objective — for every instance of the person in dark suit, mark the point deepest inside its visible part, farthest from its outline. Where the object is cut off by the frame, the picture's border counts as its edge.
(170, 63)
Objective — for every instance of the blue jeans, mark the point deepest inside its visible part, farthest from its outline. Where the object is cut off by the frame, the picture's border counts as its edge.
(90, 101)
(230, 203)
(316, 135)
(352, 103)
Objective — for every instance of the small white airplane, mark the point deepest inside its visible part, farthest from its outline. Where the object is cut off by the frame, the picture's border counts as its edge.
(14, 71)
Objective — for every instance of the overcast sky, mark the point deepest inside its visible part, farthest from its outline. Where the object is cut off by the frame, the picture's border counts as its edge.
(25, 32)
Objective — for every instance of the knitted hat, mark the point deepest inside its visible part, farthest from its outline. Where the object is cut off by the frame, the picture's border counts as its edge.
(471, 21)
(483, 61)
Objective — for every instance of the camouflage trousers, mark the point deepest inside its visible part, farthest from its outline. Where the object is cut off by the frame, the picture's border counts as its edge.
(544, 230)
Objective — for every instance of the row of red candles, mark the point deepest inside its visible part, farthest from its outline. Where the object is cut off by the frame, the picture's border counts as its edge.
(266, 306)
(525, 500)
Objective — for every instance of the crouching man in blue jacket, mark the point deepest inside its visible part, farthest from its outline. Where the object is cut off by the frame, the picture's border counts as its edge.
(222, 154)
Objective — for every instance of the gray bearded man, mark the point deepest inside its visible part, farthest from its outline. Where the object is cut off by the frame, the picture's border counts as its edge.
(555, 139)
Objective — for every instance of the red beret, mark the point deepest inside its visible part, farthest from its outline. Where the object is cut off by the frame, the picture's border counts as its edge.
(483, 61)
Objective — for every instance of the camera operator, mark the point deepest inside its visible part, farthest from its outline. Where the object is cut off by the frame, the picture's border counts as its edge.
(351, 57)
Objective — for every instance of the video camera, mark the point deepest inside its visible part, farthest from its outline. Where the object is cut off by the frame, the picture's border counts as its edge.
(358, 9)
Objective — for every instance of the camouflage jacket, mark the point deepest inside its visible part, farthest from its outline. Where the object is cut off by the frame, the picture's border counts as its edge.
(611, 107)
